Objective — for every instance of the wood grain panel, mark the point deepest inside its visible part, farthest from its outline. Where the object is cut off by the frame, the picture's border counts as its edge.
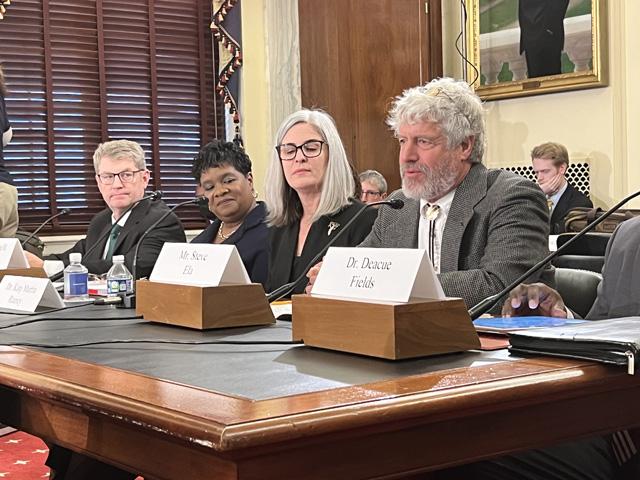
(356, 56)
(166, 430)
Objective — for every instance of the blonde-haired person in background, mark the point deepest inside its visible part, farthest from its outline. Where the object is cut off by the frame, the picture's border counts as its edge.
(550, 164)
(309, 193)
(8, 191)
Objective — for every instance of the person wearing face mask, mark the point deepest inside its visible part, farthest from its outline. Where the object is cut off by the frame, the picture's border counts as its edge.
(310, 191)
(224, 172)
(550, 163)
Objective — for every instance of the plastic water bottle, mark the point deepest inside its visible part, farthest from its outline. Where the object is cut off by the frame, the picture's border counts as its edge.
(119, 278)
(76, 279)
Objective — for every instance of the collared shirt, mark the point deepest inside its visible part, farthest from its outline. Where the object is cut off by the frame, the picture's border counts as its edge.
(424, 226)
(555, 198)
(122, 221)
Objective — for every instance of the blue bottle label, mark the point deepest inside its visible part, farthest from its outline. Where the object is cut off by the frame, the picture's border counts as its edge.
(116, 286)
(78, 283)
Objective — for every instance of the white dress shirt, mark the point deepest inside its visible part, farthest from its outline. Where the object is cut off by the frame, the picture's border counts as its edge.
(424, 226)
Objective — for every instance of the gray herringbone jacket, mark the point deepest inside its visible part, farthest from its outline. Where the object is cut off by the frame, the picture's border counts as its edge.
(497, 228)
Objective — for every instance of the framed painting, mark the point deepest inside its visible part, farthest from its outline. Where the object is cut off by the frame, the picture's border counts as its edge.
(529, 47)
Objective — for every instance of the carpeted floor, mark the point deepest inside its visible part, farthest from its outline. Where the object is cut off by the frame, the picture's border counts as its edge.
(22, 457)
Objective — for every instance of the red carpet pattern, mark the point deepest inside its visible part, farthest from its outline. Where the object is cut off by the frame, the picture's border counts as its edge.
(22, 457)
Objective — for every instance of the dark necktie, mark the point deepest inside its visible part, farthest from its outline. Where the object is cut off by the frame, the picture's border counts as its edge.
(113, 238)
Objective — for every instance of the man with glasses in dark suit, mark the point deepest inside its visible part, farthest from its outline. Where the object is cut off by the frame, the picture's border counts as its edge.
(122, 177)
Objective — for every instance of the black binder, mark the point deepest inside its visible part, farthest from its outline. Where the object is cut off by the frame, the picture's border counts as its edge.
(615, 341)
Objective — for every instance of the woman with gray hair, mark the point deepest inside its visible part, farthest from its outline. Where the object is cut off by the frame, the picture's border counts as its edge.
(309, 194)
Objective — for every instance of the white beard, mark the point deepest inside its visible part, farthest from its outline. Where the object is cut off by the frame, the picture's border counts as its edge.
(436, 184)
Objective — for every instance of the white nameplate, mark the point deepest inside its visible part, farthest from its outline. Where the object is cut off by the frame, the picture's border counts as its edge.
(25, 294)
(383, 274)
(11, 254)
(200, 265)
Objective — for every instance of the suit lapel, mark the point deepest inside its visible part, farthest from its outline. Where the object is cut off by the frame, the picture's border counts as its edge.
(97, 253)
(560, 207)
(286, 252)
(318, 235)
(136, 216)
(471, 191)
(408, 221)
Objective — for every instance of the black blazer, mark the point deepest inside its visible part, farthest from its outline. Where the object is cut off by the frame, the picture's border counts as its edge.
(541, 23)
(142, 217)
(283, 240)
(251, 240)
(571, 198)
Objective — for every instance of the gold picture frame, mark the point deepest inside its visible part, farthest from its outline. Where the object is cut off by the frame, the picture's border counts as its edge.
(501, 71)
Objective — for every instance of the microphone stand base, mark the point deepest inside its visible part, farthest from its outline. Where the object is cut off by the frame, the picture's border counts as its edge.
(128, 301)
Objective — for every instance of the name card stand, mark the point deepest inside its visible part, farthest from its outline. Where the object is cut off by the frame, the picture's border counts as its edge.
(203, 308)
(395, 331)
(23, 272)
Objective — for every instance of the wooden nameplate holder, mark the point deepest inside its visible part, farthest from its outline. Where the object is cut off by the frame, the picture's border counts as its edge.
(203, 307)
(24, 272)
(395, 331)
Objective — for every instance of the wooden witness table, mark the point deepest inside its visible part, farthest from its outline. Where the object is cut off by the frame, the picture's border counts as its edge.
(305, 413)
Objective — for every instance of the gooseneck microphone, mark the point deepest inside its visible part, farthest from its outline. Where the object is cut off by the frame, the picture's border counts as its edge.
(153, 196)
(64, 211)
(488, 303)
(193, 201)
(129, 300)
(287, 288)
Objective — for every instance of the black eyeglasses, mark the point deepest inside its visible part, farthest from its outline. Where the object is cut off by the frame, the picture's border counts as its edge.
(370, 193)
(125, 177)
(310, 149)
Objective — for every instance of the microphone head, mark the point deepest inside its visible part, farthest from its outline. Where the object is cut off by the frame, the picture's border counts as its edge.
(395, 203)
(157, 195)
(64, 211)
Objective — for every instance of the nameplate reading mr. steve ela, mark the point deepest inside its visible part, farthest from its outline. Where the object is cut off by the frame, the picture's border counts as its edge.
(385, 274)
(199, 264)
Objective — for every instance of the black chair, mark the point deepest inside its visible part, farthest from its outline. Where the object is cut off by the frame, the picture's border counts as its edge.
(587, 253)
(34, 244)
(578, 288)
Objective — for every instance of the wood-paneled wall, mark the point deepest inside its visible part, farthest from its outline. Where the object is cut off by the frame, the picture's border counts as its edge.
(355, 56)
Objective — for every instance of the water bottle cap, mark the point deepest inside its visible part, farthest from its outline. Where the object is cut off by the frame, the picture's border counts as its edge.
(118, 258)
(75, 257)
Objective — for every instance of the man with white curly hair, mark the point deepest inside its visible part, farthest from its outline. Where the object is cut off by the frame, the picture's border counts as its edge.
(481, 227)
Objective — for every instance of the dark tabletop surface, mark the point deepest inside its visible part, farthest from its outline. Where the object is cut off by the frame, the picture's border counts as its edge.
(255, 372)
